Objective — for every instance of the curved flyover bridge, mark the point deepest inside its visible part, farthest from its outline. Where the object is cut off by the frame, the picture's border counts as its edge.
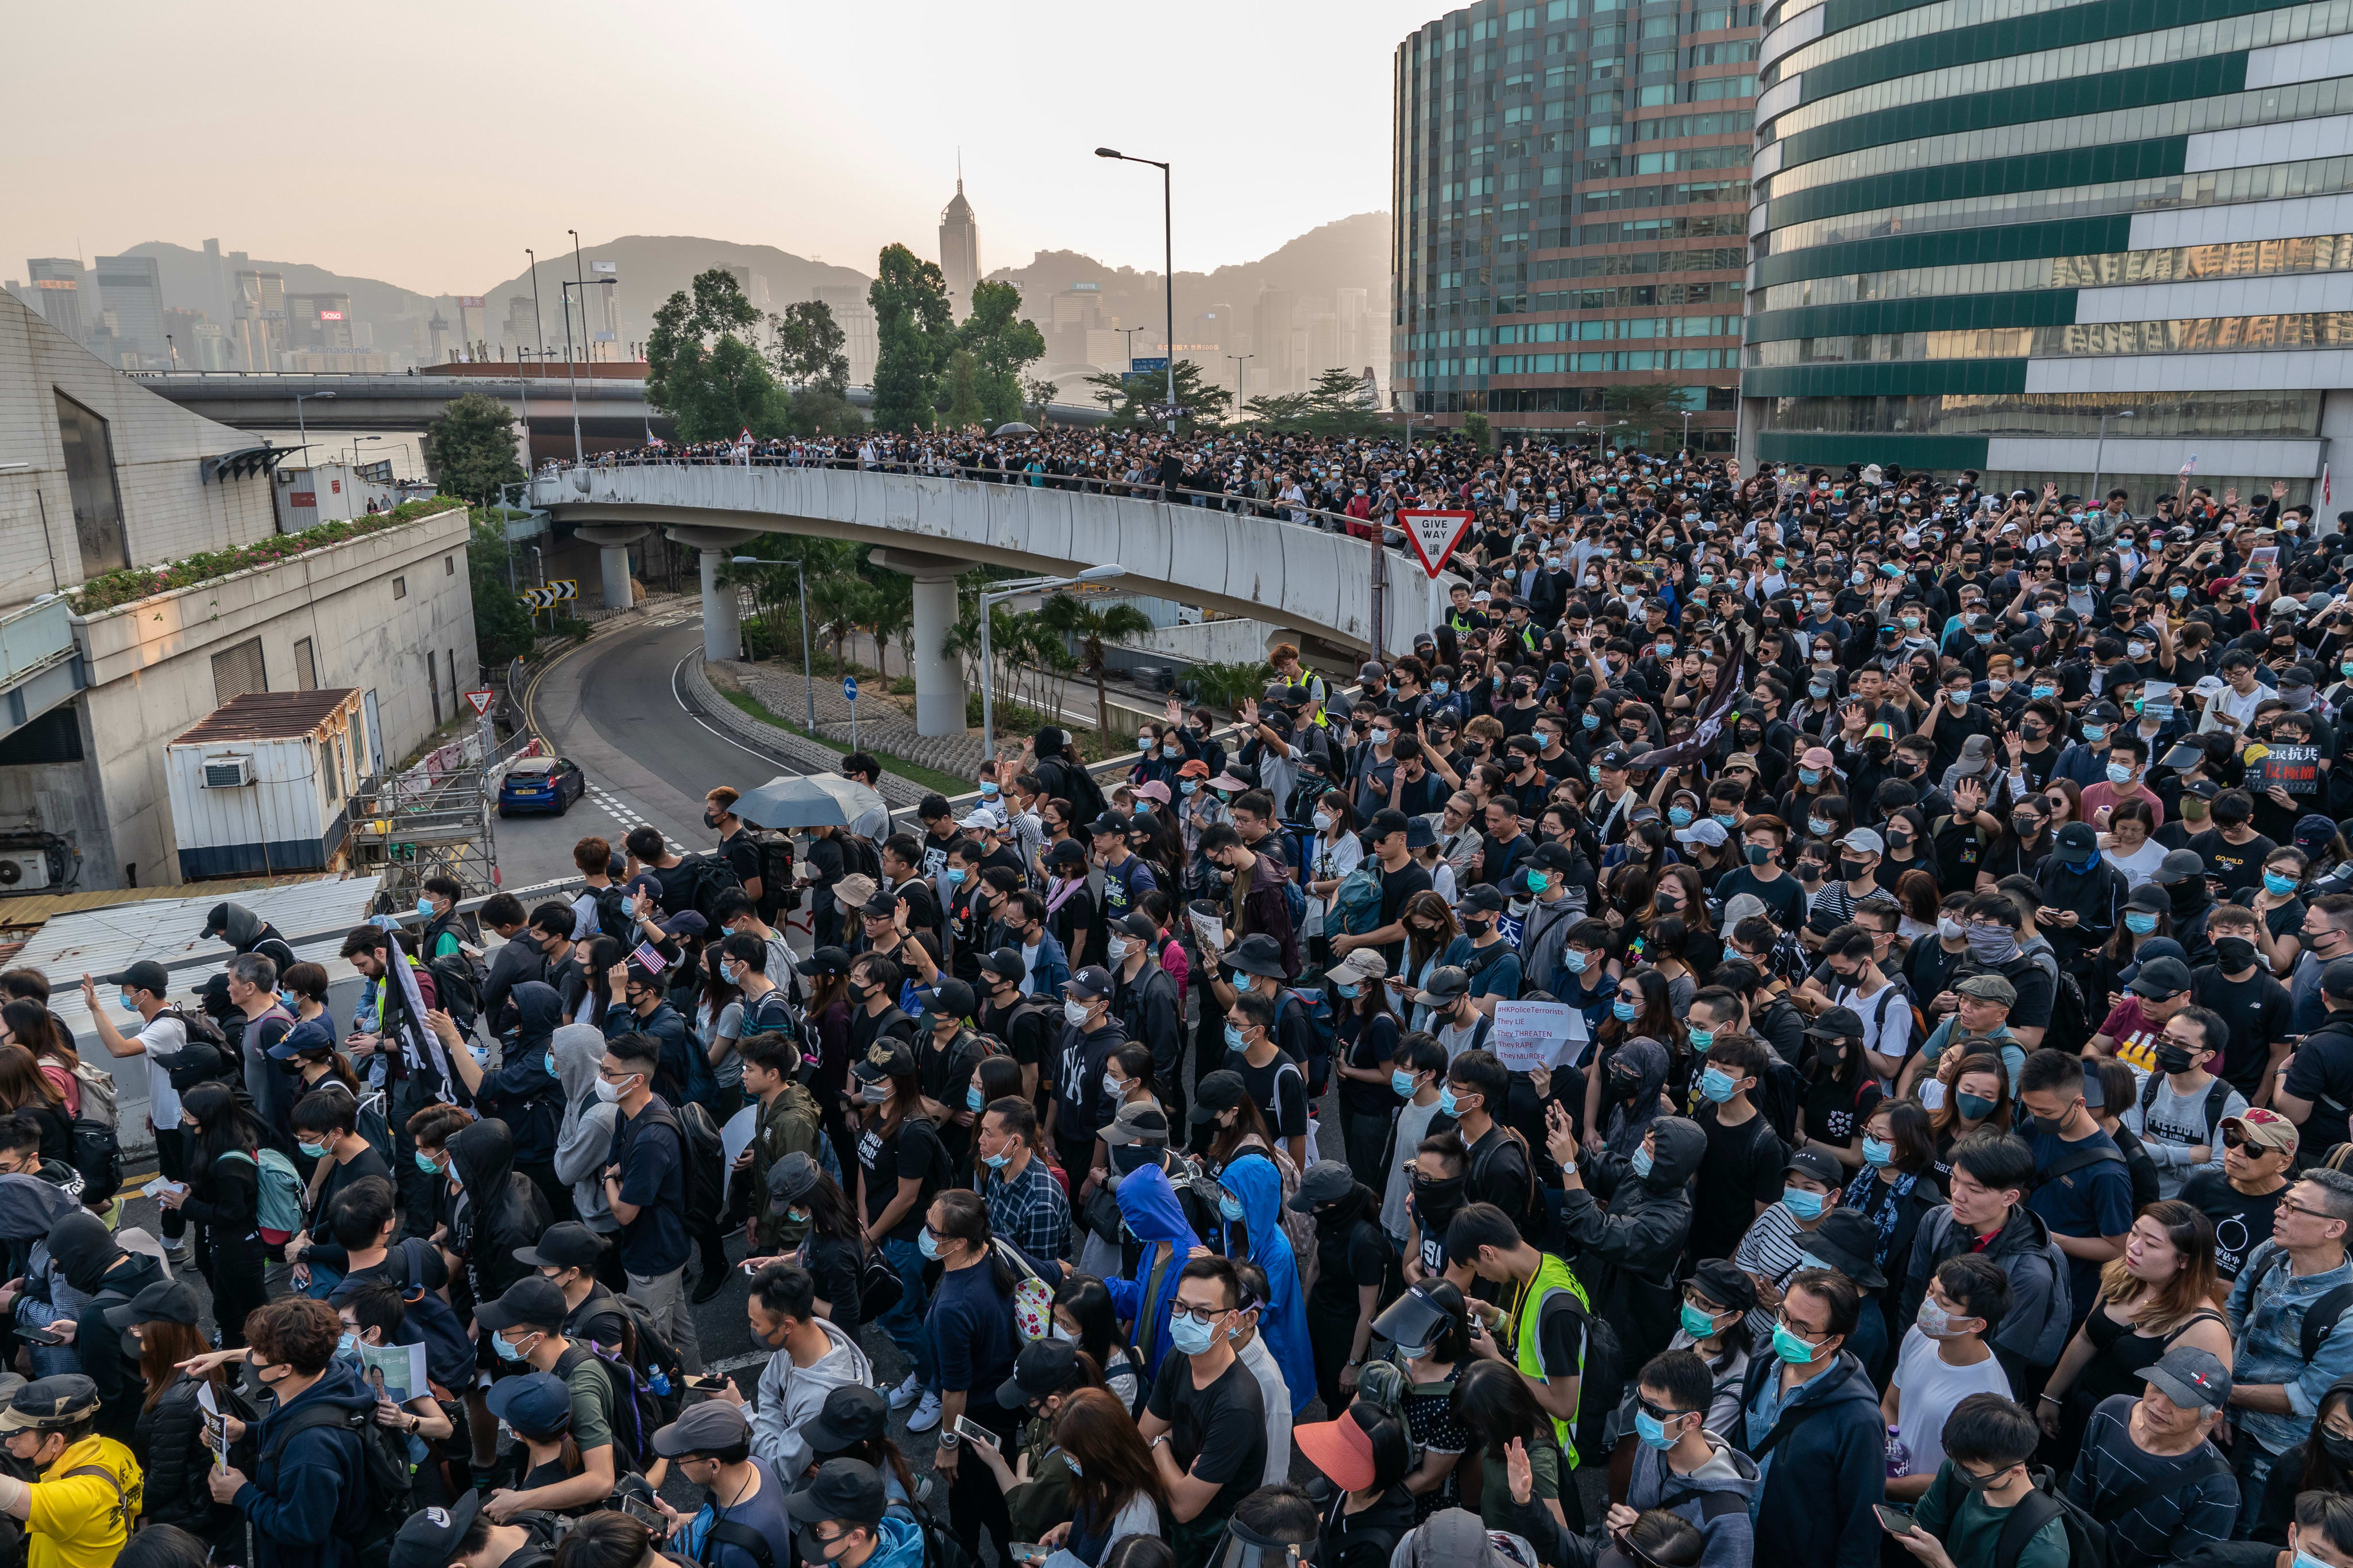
(1301, 579)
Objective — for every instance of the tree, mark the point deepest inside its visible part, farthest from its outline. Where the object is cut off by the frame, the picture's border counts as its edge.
(1039, 393)
(775, 582)
(1286, 412)
(962, 392)
(1001, 344)
(913, 327)
(501, 626)
(1225, 685)
(472, 445)
(806, 345)
(1139, 392)
(841, 602)
(1476, 431)
(1646, 409)
(1071, 616)
(1339, 405)
(703, 368)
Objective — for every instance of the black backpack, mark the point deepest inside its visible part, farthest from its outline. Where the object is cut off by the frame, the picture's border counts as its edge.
(384, 1473)
(777, 894)
(201, 1028)
(2320, 1318)
(710, 876)
(637, 1412)
(2218, 1094)
(699, 1153)
(2071, 1018)
(456, 990)
(611, 918)
(941, 1547)
(2087, 1538)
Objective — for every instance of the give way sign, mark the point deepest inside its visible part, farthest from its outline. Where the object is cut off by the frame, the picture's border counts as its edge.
(481, 701)
(1434, 534)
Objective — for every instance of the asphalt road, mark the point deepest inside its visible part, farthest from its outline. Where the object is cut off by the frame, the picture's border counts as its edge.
(614, 706)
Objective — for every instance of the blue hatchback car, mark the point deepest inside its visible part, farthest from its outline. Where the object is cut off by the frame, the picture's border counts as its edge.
(540, 783)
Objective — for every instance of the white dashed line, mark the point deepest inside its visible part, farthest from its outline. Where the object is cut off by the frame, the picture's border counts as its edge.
(627, 815)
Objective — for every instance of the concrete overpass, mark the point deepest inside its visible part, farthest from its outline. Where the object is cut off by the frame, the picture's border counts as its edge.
(611, 408)
(1305, 580)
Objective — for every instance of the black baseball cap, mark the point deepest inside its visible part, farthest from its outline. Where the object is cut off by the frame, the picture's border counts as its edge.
(851, 1413)
(145, 975)
(1005, 963)
(842, 1489)
(1224, 1089)
(953, 997)
(531, 1299)
(1044, 1367)
(164, 1302)
(825, 961)
(566, 1245)
(431, 1536)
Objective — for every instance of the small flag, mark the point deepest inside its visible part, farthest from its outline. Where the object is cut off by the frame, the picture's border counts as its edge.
(2324, 484)
(650, 957)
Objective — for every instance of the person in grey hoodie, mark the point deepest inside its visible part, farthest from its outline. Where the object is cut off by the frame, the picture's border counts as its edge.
(584, 1138)
(1681, 1466)
(1627, 1253)
(813, 1357)
(1987, 1214)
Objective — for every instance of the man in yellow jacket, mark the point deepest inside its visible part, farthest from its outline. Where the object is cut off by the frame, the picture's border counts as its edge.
(77, 1515)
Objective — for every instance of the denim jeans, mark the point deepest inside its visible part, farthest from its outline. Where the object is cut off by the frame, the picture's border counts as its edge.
(904, 1322)
(2251, 1463)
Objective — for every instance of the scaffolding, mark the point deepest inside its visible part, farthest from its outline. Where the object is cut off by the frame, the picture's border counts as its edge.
(435, 818)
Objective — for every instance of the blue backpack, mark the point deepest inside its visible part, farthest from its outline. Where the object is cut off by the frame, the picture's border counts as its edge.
(428, 1319)
(1356, 902)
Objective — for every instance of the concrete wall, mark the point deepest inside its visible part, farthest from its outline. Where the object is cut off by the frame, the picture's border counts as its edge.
(1283, 572)
(169, 509)
(150, 672)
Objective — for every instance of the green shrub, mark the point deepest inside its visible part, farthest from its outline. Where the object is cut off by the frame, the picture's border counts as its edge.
(128, 586)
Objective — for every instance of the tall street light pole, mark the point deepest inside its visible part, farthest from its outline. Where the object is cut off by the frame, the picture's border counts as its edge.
(2100, 456)
(1238, 382)
(536, 328)
(570, 363)
(990, 601)
(1167, 272)
(580, 274)
(299, 421)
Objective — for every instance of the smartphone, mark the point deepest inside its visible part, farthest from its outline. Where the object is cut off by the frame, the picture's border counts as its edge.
(38, 1336)
(972, 1431)
(711, 1384)
(1894, 1521)
(638, 1507)
(1027, 1551)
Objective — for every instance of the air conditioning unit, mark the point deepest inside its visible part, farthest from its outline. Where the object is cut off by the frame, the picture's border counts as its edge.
(229, 773)
(23, 870)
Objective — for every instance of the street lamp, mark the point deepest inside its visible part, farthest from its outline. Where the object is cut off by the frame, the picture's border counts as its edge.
(298, 423)
(1014, 590)
(537, 330)
(1686, 432)
(2100, 454)
(353, 460)
(1238, 384)
(1127, 341)
(809, 690)
(1167, 272)
(571, 367)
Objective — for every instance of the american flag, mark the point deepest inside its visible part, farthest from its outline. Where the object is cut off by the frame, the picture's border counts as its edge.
(650, 957)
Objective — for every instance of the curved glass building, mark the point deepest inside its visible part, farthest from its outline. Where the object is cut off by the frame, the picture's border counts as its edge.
(1980, 227)
(1571, 189)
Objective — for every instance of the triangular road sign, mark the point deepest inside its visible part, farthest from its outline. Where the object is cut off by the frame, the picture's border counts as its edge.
(1435, 534)
(481, 701)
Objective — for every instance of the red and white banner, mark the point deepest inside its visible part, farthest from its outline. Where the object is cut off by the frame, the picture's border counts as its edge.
(1435, 535)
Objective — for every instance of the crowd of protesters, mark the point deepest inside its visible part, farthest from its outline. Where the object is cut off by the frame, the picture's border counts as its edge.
(1810, 1020)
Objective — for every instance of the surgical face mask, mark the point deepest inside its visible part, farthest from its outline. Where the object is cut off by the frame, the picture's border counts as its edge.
(130, 1006)
(505, 1350)
(1652, 1430)
(1117, 949)
(1075, 1012)
(874, 1093)
(1802, 1203)
(1701, 1039)
(926, 1243)
(1641, 1161)
(1948, 928)
(1821, 827)
(1535, 880)
(1112, 1087)
(1810, 776)
(1875, 1151)
(1234, 1038)
(425, 908)
(1379, 737)
(1716, 1085)
(2140, 922)
(2096, 732)
(1625, 1012)
(426, 1165)
(2120, 773)
(1229, 1207)
(2277, 885)
(1792, 1349)
(1446, 1101)
(313, 1151)
(972, 1097)
(1401, 1082)
(1679, 816)
(1933, 1320)
(1189, 1336)
(348, 1346)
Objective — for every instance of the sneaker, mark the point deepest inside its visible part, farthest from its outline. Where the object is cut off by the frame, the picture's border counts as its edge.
(907, 1393)
(927, 1414)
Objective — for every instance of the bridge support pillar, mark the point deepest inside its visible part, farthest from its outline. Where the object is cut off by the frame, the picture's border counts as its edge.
(613, 542)
(723, 634)
(939, 676)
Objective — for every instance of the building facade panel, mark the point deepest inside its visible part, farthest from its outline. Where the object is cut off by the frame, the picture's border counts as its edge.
(1986, 233)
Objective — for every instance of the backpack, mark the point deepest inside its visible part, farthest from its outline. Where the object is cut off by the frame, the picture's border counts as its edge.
(636, 1413)
(941, 1547)
(1537, 1220)
(702, 1154)
(1323, 1026)
(2320, 1318)
(711, 877)
(1356, 902)
(777, 894)
(2087, 1538)
(97, 1095)
(2218, 1094)
(860, 857)
(1082, 790)
(1294, 902)
(201, 1028)
(1299, 1230)
(1896, 990)
(279, 1212)
(456, 990)
(1778, 1096)
(384, 1473)
(611, 918)
(428, 1320)
(97, 1155)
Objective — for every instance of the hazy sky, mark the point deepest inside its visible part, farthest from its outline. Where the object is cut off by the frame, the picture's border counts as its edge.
(426, 144)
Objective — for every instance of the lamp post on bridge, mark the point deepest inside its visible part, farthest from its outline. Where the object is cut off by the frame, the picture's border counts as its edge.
(1167, 272)
(298, 423)
(571, 364)
(1238, 360)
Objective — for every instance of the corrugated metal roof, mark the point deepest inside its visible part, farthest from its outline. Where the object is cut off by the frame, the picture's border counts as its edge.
(314, 917)
(267, 716)
(36, 909)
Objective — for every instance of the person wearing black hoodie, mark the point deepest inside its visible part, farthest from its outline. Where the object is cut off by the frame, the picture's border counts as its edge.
(307, 1500)
(1357, 1272)
(224, 1198)
(84, 1255)
(523, 1091)
(498, 1211)
(1627, 1253)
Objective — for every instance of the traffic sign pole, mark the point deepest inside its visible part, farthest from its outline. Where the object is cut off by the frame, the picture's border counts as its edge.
(849, 695)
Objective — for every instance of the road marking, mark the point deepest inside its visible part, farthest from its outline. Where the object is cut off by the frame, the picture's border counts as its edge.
(679, 696)
(626, 815)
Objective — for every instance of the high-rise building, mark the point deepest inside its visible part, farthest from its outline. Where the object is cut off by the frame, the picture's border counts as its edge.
(259, 317)
(959, 251)
(319, 322)
(182, 326)
(1273, 369)
(57, 292)
(131, 289)
(1570, 192)
(1988, 245)
(854, 314)
(753, 285)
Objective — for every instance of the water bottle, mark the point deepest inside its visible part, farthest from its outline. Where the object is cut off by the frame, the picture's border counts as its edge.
(1899, 1453)
(659, 1381)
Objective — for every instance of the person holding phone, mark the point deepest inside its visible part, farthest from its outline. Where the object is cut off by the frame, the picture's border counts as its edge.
(1959, 1522)
(975, 1347)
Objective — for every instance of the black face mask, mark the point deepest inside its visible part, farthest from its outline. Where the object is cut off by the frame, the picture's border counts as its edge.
(2233, 953)
(2337, 1448)
(1851, 870)
(1437, 1197)
(2173, 1058)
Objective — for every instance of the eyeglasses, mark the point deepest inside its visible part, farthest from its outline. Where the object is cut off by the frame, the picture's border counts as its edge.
(2289, 1206)
(1803, 1333)
(1204, 1316)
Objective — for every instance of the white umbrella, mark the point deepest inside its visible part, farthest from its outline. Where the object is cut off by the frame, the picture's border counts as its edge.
(806, 800)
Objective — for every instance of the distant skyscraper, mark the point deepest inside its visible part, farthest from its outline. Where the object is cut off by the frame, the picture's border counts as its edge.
(959, 251)
(132, 291)
(259, 317)
(57, 292)
(854, 314)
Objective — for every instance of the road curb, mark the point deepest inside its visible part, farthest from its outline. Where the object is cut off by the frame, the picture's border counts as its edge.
(899, 794)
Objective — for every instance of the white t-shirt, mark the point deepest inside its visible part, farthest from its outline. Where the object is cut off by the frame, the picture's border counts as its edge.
(1277, 1396)
(1931, 1387)
(1886, 1029)
(1412, 1126)
(162, 1037)
(2140, 865)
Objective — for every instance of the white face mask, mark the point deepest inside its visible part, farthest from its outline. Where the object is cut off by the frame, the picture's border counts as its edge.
(1117, 949)
(1076, 1012)
(608, 1092)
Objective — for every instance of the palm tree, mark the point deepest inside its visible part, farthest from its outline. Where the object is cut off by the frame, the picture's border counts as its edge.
(841, 602)
(1225, 685)
(1075, 619)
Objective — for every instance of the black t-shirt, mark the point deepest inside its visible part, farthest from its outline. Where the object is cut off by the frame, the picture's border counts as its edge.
(1216, 1434)
(1351, 1256)
(1962, 847)
(913, 1150)
(1835, 1113)
(1029, 1036)
(2236, 864)
(1784, 895)
(743, 858)
(2241, 1223)
(1077, 914)
(1397, 887)
(1561, 1336)
(2258, 1012)
(1928, 969)
(599, 1318)
(2322, 1071)
(1741, 1167)
(1498, 1174)
(1279, 1090)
